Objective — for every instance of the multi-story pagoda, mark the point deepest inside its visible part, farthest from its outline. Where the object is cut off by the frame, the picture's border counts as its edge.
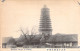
(45, 22)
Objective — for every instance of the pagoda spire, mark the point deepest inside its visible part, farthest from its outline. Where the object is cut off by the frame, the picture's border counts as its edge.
(45, 6)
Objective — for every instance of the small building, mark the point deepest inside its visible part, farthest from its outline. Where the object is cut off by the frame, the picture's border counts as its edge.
(8, 42)
(64, 40)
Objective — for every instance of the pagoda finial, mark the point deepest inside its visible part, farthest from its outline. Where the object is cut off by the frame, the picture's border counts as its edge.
(45, 6)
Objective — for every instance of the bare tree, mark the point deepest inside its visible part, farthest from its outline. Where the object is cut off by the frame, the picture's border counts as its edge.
(31, 37)
(25, 35)
(28, 37)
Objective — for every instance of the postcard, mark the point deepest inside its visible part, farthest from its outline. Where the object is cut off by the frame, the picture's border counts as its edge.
(40, 25)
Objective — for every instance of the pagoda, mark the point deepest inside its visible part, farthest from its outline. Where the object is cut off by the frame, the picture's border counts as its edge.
(45, 27)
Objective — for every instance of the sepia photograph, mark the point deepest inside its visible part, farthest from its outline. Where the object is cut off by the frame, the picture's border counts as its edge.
(40, 24)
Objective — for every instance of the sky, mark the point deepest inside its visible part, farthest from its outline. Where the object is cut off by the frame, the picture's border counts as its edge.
(25, 14)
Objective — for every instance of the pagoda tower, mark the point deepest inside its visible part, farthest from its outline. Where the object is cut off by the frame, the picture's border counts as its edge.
(45, 27)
